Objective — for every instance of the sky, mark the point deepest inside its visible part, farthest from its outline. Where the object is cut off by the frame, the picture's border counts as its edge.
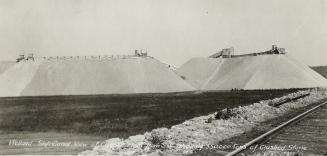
(172, 31)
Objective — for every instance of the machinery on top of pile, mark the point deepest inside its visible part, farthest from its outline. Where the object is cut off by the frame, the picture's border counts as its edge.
(23, 57)
(31, 57)
(229, 52)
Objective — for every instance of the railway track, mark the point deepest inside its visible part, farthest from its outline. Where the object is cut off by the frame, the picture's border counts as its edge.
(304, 134)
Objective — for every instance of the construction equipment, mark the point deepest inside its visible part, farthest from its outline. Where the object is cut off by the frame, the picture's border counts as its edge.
(20, 58)
(229, 52)
(30, 56)
(141, 53)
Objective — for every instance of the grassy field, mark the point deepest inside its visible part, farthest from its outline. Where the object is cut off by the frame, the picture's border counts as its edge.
(96, 118)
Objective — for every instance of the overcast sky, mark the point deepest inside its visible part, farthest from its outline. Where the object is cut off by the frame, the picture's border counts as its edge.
(173, 31)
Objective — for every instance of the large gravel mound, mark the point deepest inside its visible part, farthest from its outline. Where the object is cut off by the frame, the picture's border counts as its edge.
(84, 77)
(251, 72)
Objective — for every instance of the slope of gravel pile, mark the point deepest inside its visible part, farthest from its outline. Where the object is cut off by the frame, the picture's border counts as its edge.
(4, 65)
(89, 77)
(202, 131)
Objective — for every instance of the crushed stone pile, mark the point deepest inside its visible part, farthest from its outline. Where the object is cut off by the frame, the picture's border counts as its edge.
(196, 133)
(87, 77)
(250, 72)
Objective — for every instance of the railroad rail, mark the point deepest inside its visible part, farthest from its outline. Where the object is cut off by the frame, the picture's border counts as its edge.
(270, 133)
(289, 100)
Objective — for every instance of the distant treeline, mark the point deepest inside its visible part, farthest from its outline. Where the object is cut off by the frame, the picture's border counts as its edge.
(322, 70)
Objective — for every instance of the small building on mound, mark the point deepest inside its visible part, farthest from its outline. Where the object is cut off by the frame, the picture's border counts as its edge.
(272, 69)
(90, 76)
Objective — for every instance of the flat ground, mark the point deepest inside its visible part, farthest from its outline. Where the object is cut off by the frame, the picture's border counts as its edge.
(89, 119)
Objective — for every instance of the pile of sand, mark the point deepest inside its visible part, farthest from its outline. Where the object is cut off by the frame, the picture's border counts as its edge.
(251, 72)
(85, 77)
(4, 65)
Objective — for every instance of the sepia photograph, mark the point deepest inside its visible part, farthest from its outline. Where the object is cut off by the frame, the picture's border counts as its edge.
(163, 77)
